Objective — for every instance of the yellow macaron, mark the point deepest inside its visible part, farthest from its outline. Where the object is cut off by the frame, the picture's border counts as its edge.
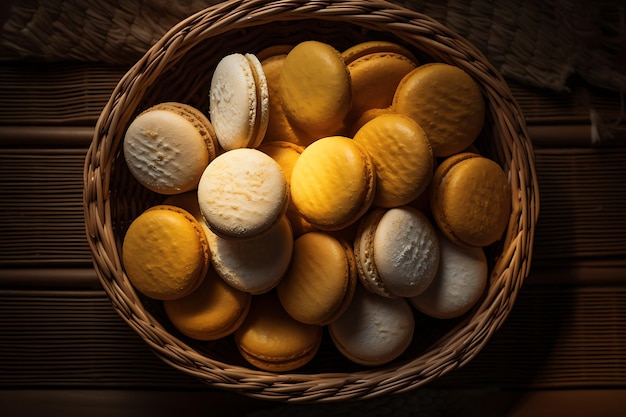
(270, 339)
(212, 311)
(165, 253)
(470, 199)
(402, 156)
(320, 281)
(315, 88)
(446, 102)
(333, 182)
(376, 68)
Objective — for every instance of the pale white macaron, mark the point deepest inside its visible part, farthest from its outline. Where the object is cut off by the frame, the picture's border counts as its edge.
(168, 146)
(242, 193)
(255, 265)
(459, 284)
(239, 101)
(374, 330)
(397, 252)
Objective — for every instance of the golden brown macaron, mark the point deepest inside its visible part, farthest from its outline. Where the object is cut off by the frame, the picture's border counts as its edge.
(470, 199)
(286, 154)
(189, 202)
(333, 182)
(315, 88)
(402, 156)
(212, 311)
(376, 68)
(446, 102)
(165, 253)
(320, 281)
(270, 339)
(278, 127)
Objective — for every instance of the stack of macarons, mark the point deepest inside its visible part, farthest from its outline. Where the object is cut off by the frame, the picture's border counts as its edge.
(324, 188)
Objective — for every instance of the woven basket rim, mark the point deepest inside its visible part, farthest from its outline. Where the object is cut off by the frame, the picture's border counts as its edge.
(466, 338)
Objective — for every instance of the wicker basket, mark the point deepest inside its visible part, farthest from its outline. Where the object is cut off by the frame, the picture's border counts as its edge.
(178, 67)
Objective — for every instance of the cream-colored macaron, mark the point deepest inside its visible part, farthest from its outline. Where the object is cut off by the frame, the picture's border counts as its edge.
(243, 193)
(212, 311)
(397, 252)
(320, 281)
(374, 330)
(239, 101)
(270, 339)
(286, 154)
(315, 88)
(459, 284)
(470, 199)
(168, 146)
(446, 102)
(254, 265)
(165, 253)
(402, 156)
(333, 182)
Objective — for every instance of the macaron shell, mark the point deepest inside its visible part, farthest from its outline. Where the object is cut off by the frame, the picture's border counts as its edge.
(239, 101)
(165, 253)
(165, 151)
(278, 127)
(286, 154)
(320, 281)
(375, 78)
(362, 49)
(374, 330)
(333, 182)
(242, 193)
(459, 283)
(446, 102)
(470, 199)
(406, 251)
(364, 254)
(272, 340)
(212, 311)
(402, 156)
(189, 202)
(253, 265)
(315, 89)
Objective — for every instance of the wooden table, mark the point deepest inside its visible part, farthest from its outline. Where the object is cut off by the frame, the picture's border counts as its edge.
(64, 350)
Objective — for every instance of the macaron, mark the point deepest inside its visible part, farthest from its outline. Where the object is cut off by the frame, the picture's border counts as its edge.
(254, 265)
(320, 281)
(165, 253)
(446, 102)
(271, 340)
(470, 199)
(333, 182)
(376, 68)
(459, 284)
(168, 146)
(397, 252)
(315, 88)
(402, 156)
(374, 330)
(239, 101)
(189, 202)
(242, 193)
(278, 127)
(286, 154)
(212, 311)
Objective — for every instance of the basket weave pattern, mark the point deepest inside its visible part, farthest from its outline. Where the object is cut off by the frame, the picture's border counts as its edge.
(178, 68)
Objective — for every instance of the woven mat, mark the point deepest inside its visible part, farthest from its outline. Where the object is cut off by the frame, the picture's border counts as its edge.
(536, 42)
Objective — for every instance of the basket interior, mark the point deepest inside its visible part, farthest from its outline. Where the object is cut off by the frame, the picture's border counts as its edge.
(185, 77)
